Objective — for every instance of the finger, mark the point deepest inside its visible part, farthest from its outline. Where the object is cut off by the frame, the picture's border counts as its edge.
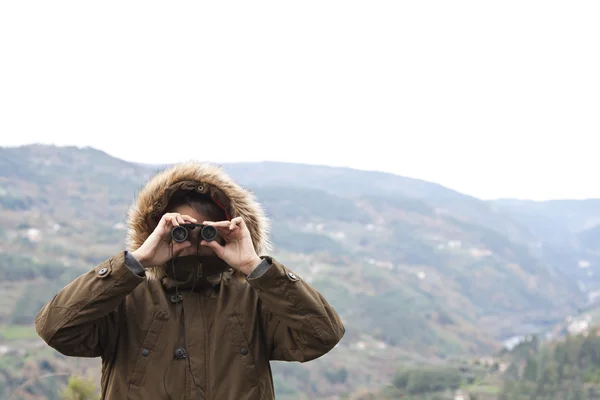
(188, 218)
(167, 217)
(221, 226)
(178, 247)
(172, 219)
(165, 222)
(223, 230)
(179, 219)
(162, 222)
(217, 224)
(237, 222)
(219, 250)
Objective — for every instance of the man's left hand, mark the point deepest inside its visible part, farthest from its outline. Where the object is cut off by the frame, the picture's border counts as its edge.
(238, 251)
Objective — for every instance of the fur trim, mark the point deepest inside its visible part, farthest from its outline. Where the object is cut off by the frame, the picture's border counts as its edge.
(152, 199)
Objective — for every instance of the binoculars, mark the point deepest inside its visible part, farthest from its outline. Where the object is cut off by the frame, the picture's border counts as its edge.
(180, 233)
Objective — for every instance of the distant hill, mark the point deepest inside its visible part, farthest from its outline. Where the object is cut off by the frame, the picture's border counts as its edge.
(590, 238)
(349, 182)
(418, 271)
(555, 221)
(567, 232)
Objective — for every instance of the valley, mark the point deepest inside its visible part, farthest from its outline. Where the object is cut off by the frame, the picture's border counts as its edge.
(420, 274)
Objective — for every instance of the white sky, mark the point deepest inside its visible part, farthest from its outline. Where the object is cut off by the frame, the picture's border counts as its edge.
(494, 99)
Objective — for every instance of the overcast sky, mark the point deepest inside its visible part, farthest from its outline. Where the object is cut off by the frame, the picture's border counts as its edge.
(494, 99)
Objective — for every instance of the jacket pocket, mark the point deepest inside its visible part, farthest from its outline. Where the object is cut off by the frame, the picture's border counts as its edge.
(244, 350)
(146, 350)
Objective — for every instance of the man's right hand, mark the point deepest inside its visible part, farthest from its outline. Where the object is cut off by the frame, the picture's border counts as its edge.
(156, 249)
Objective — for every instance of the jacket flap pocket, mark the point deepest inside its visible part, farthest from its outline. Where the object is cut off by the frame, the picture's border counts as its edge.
(148, 345)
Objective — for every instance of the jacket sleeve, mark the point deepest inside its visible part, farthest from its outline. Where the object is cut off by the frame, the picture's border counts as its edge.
(300, 324)
(82, 319)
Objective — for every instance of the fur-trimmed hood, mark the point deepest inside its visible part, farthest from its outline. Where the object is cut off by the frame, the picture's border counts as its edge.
(152, 199)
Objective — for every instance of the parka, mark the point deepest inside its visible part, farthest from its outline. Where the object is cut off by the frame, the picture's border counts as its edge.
(160, 341)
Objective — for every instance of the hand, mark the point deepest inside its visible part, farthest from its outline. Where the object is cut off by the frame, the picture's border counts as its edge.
(238, 251)
(156, 249)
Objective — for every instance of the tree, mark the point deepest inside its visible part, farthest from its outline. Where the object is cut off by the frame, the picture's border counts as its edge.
(531, 370)
(79, 389)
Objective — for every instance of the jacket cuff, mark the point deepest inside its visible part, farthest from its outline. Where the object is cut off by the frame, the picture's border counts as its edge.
(270, 274)
(260, 269)
(134, 265)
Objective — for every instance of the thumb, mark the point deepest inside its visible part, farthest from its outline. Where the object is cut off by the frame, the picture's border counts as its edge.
(177, 247)
(216, 246)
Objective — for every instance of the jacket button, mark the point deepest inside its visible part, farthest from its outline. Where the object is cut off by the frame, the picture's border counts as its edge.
(244, 351)
(145, 352)
(176, 298)
(180, 353)
(103, 271)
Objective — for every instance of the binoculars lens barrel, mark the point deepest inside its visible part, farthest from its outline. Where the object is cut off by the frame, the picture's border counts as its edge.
(180, 233)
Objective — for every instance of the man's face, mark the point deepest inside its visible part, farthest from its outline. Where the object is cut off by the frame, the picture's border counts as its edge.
(194, 233)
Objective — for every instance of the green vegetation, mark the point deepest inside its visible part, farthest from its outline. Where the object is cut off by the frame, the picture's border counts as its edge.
(287, 203)
(17, 332)
(304, 242)
(80, 389)
(533, 370)
(381, 248)
(29, 376)
(37, 293)
(407, 204)
(16, 268)
(569, 369)
(427, 379)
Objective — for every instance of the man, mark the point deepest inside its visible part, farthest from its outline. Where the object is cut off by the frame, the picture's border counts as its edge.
(191, 319)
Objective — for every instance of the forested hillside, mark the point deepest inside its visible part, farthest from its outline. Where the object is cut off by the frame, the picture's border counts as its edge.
(419, 273)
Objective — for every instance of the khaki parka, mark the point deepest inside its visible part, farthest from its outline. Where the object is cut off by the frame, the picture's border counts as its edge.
(158, 341)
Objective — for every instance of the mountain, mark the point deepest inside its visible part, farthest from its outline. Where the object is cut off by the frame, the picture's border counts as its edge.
(590, 238)
(556, 222)
(349, 182)
(568, 233)
(418, 272)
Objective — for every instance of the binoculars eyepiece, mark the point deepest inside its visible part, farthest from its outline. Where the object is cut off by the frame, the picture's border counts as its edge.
(180, 233)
